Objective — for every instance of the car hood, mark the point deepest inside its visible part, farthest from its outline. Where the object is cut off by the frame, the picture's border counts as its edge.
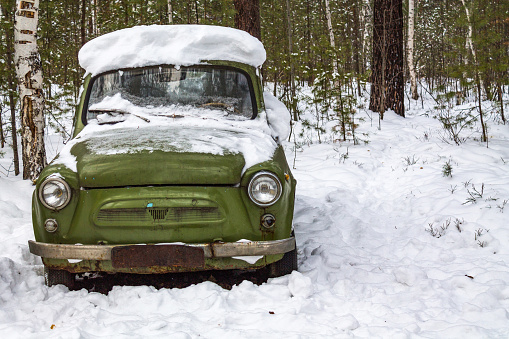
(161, 155)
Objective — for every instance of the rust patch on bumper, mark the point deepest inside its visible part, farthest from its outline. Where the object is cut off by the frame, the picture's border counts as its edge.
(157, 255)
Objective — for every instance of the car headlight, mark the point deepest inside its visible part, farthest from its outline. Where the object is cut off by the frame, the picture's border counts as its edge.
(264, 189)
(54, 193)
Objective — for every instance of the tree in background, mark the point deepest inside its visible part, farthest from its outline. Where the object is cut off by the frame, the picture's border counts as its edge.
(7, 73)
(387, 89)
(478, 78)
(410, 49)
(2, 137)
(170, 12)
(247, 16)
(395, 85)
(29, 73)
(300, 55)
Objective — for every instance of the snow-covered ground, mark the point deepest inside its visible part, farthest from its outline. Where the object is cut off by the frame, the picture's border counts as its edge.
(388, 247)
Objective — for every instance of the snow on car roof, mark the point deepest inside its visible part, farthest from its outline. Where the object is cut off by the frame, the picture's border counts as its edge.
(183, 45)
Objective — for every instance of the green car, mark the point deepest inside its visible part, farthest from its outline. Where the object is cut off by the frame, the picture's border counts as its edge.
(172, 166)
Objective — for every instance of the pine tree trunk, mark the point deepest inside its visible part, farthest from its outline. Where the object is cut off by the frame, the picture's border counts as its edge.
(387, 90)
(293, 106)
(410, 49)
(29, 73)
(2, 139)
(500, 98)
(395, 93)
(309, 54)
(196, 13)
(377, 96)
(356, 47)
(484, 137)
(14, 132)
(83, 22)
(8, 9)
(247, 16)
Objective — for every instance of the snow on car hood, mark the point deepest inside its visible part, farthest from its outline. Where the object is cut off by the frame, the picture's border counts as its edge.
(183, 45)
(159, 155)
(192, 134)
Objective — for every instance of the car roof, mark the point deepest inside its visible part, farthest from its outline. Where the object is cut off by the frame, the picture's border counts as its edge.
(180, 45)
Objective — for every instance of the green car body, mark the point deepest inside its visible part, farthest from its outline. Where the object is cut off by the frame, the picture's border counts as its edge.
(191, 208)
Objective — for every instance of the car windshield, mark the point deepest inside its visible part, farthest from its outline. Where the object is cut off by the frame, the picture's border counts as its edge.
(172, 91)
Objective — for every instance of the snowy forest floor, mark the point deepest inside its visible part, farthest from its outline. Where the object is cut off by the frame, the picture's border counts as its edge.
(387, 247)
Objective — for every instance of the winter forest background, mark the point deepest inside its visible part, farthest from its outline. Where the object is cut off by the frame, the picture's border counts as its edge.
(460, 53)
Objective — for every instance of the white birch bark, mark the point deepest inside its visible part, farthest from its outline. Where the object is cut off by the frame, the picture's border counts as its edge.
(170, 12)
(470, 44)
(29, 74)
(470, 32)
(331, 36)
(410, 49)
(364, 28)
(94, 19)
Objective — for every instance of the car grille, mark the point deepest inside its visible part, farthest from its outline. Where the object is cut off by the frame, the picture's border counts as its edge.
(157, 216)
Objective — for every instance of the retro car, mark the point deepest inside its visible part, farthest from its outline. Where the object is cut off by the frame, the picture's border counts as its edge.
(175, 162)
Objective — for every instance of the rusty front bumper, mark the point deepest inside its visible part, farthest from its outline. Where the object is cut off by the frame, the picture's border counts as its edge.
(211, 250)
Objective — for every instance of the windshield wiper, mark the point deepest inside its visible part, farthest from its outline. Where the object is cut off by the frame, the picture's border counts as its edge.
(110, 111)
(174, 116)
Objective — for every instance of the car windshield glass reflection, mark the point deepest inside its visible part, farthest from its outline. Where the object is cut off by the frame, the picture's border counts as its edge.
(165, 90)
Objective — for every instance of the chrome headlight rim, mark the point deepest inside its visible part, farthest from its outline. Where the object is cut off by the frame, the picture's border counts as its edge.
(66, 186)
(274, 178)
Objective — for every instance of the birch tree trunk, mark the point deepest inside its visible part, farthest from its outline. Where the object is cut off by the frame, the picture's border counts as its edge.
(470, 32)
(470, 44)
(410, 49)
(477, 72)
(94, 19)
(331, 37)
(29, 74)
(170, 12)
(364, 31)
